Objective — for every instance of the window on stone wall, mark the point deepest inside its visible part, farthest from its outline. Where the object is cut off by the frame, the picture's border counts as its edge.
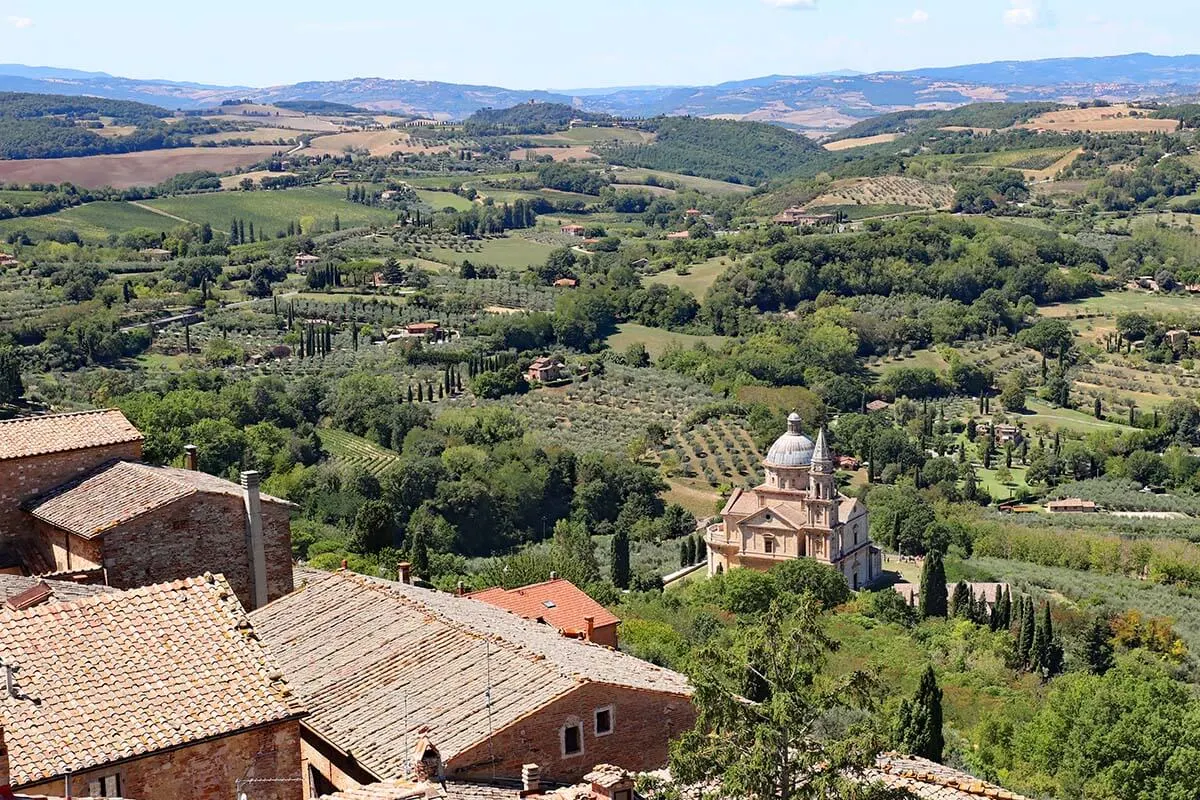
(604, 721)
(768, 545)
(105, 786)
(572, 739)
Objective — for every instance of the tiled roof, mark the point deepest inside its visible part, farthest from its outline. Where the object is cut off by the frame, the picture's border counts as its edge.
(929, 780)
(377, 661)
(559, 602)
(122, 674)
(120, 491)
(57, 433)
(60, 591)
(459, 790)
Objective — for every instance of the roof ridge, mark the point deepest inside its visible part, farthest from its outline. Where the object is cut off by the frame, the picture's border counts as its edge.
(59, 415)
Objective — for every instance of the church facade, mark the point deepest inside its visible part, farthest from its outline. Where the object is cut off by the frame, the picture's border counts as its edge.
(797, 512)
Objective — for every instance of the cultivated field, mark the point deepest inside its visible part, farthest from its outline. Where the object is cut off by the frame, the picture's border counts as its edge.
(861, 141)
(1111, 119)
(256, 135)
(270, 211)
(706, 185)
(657, 340)
(378, 143)
(93, 222)
(886, 191)
(234, 181)
(698, 279)
(131, 169)
(581, 152)
(439, 200)
(509, 253)
(346, 448)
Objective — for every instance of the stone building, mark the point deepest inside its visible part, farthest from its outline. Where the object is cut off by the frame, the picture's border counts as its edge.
(797, 512)
(76, 500)
(488, 690)
(162, 691)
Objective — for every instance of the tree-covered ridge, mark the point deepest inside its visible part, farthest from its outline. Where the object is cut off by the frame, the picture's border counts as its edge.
(976, 115)
(319, 107)
(31, 106)
(51, 137)
(737, 152)
(527, 118)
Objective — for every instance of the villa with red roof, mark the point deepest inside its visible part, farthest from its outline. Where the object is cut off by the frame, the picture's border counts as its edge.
(561, 605)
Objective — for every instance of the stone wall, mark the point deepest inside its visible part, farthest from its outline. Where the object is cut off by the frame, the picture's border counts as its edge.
(202, 771)
(25, 478)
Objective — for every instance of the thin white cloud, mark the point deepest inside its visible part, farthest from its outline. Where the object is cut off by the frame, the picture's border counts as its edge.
(917, 17)
(20, 22)
(792, 5)
(1021, 13)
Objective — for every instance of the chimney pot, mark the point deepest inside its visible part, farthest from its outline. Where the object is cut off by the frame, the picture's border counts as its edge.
(531, 779)
(190, 457)
(591, 627)
(553, 576)
(344, 564)
(404, 572)
(462, 588)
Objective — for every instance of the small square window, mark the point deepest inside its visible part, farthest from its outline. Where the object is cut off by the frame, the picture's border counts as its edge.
(572, 741)
(768, 546)
(604, 721)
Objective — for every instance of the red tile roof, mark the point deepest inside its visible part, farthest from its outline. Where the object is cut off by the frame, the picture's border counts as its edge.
(57, 433)
(124, 674)
(928, 780)
(120, 491)
(559, 602)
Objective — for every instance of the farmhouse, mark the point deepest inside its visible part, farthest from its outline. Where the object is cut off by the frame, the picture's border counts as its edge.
(1072, 505)
(155, 254)
(679, 235)
(1178, 339)
(7, 260)
(546, 369)
(162, 691)
(75, 498)
(799, 218)
(559, 604)
(796, 513)
(573, 230)
(928, 780)
(566, 283)
(878, 405)
(488, 690)
(422, 328)
(304, 260)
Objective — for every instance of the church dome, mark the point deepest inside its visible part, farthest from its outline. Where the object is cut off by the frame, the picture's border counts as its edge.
(793, 449)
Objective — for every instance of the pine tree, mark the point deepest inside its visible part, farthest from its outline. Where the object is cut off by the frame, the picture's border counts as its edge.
(918, 728)
(420, 554)
(1025, 638)
(932, 602)
(1097, 647)
(959, 601)
(620, 559)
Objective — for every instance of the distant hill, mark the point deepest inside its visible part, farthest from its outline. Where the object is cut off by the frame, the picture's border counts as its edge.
(816, 104)
(527, 118)
(976, 115)
(319, 107)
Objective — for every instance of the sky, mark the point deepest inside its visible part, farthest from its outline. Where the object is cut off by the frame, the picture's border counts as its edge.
(539, 44)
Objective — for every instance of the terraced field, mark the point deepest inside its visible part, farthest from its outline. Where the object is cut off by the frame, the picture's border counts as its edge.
(887, 191)
(346, 448)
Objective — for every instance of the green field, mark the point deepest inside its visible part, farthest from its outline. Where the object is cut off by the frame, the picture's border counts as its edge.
(920, 358)
(594, 135)
(440, 200)
(855, 212)
(698, 279)
(1064, 419)
(93, 222)
(706, 185)
(1124, 302)
(508, 253)
(313, 207)
(18, 197)
(656, 339)
(346, 448)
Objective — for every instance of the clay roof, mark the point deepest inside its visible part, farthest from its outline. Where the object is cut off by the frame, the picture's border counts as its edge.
(379, 663)
(123, 674)
(57, 433)
(1071, 502)
(18, 590)
(120, 491)
(560, 603)
(929, 780)
(452, 790)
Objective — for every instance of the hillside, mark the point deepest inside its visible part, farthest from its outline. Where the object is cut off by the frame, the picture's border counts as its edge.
(975, 115)
(527, 118)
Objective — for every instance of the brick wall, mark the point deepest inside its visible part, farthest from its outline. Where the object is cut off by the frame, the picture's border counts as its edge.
(24, 478)
(643, 725)
(206, 770)
(325, 768)
(197, 534)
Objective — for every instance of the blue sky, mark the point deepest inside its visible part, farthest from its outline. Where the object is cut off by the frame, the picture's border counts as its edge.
(548, 44)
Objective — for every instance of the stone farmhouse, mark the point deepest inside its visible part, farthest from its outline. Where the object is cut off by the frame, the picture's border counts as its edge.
(488, 690)
(797, 512)
(76, 500)
(561, 605)
(162, 691)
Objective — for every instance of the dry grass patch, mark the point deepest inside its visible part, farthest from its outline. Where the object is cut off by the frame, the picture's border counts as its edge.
(577, 152)
(234, 181)
(1109, 119)
(886, 191)
(861, 141)
(378, 143)
(131, 169)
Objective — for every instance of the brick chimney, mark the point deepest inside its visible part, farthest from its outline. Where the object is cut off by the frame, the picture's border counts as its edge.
(531, 779)
(190, 456)
(256, 548)
(461, 589)
(591, 628)
(404, 572)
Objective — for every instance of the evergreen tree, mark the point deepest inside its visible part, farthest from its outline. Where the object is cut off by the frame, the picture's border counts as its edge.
(242, 230)
(420, 554)
(933, 586)
(233, 233)
(11, 387)
(337, 222)
(918, 729)
(620, 559)
(1097, 647)
(683, 554)
(960, 604)
(1025, 638)
(1006, 610)
(691, 550)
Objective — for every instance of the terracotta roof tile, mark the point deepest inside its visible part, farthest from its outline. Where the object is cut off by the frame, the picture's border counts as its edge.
(120, 491)
(123, 674)
(56, 433)
(377, 661)
(559, 602)
(60, 591)
(929, 780)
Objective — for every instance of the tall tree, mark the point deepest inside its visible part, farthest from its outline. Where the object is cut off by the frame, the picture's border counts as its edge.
(620, 559)
(960, 601)
(933, 586)
(1097, 647)
(1025, 637)
(11, 387)
(419, 553)
(918, 728)
(766, 748)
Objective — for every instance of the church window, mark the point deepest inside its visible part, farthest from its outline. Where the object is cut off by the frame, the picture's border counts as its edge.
(768, 545)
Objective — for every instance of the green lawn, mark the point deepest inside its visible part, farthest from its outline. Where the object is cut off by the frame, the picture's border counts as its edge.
(440, 200)
(1112, 303)
(314, 207)
(509, 253)
(920, 358)
(1064, 418)
(93, 221)
(698, 279)
(656, 339)
(706, 185)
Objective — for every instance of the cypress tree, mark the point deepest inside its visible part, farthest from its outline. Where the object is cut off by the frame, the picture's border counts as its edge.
(701, 549)
(620, 559)
(410, 394)
(1006, 610)
(683, 554)
(11, 387)
(933, 586)
(1097, 647)
(420, 554)
(959, 601)
(1025, 639)
(918, 729)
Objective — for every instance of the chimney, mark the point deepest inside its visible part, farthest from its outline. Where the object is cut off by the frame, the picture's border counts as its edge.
(404, 572)
(553, 576)
(190, 454)
(591, 627)
(531, 779)
(255, 546)
(462, 589)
